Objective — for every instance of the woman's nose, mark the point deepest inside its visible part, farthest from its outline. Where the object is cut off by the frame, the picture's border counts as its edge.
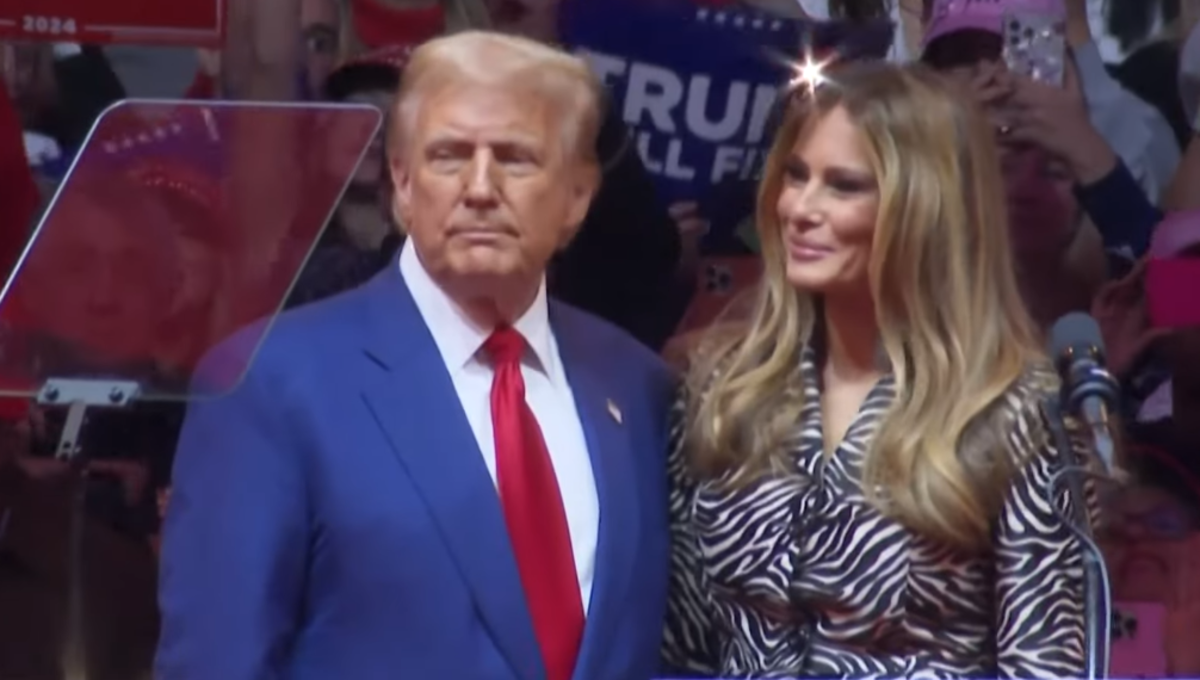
(803, 209)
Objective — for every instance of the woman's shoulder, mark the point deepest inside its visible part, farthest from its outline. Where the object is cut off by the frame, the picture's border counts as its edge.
(1030, 390)
(1012, 428)
(1034, 429)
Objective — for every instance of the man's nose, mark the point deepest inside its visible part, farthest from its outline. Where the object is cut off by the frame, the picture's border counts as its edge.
(481, 179)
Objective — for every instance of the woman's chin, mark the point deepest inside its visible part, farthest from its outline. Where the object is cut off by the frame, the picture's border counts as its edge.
(810, 277)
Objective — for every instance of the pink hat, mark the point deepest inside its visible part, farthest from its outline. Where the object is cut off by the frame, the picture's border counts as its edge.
(951, 16)
(1177, 233)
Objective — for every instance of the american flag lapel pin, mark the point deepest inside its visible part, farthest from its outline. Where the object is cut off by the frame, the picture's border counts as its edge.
(614, 411)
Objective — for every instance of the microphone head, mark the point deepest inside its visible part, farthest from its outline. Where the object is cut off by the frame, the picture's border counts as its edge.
(1073, 334)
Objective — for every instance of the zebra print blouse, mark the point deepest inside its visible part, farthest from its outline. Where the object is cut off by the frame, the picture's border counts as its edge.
(797, 576)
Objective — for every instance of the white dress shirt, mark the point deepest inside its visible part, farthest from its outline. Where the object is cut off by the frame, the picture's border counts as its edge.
(547, 392)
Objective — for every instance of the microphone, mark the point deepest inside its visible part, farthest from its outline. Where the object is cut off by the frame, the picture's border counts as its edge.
(1089, 391)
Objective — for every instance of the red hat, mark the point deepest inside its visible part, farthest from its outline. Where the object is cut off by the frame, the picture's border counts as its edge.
(395, 56)
(378, 26)
(174, 154)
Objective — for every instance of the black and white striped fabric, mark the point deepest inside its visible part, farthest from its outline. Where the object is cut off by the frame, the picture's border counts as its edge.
(796, 575)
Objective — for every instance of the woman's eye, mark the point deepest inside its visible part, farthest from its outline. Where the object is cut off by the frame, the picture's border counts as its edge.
(847, 187)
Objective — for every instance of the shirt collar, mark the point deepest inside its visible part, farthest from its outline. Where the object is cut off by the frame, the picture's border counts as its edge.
(457, 337)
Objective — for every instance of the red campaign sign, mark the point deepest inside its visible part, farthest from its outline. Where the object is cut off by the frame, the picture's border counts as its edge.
(723, 280)
(177, 23)
(1139, 640)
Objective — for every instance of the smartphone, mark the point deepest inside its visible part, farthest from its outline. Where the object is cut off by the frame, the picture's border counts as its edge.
(1035, 46)
(1171, 285)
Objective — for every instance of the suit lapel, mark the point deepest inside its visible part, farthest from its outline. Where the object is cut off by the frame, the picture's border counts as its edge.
(602, 415)
(414, 401)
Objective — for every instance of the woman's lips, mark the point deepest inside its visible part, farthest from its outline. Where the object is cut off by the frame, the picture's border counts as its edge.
(807, 252)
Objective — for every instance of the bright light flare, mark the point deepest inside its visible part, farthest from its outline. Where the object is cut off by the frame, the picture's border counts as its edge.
(809, 73)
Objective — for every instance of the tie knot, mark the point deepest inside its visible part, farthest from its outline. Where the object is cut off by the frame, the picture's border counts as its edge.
(505, 345)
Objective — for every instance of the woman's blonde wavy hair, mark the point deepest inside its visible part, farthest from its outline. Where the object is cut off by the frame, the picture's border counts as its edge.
(951, 318)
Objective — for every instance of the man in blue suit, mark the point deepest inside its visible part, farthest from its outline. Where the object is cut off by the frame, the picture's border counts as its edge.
(440, 475)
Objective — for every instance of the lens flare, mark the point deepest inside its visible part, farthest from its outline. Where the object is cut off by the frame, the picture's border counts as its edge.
(809, 73)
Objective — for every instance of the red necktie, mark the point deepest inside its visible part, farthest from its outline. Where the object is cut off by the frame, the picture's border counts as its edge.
(533, 511)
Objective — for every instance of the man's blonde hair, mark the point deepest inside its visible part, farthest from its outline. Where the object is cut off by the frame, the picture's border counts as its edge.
(486, 59)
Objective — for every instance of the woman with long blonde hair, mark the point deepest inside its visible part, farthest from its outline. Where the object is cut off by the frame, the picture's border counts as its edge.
(861, 469)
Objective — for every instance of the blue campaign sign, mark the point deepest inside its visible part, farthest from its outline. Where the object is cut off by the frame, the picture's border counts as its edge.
(699, 88)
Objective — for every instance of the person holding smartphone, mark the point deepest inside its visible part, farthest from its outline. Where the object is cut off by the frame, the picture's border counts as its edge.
(965, 41)
(1132, 128)
(1184, 191)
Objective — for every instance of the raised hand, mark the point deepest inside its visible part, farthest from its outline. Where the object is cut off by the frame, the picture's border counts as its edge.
(1056, 119)
(1120, 310)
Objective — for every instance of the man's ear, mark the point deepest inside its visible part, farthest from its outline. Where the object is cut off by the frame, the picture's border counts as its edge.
(401, 189)
(585, 184)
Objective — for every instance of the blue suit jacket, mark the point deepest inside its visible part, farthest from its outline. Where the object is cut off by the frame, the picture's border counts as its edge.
(333, 519)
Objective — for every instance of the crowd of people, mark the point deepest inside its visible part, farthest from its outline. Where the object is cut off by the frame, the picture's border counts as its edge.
(887, 239)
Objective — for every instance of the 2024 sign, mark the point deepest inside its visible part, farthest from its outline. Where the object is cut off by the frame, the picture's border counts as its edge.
(181, 23)
(64, 27)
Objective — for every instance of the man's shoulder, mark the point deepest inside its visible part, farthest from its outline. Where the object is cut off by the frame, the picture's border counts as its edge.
(607, 338)
(628, 364)
(289, 341)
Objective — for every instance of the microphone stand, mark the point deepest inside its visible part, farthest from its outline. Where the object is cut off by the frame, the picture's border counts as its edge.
(78, 395)
(1097, 594)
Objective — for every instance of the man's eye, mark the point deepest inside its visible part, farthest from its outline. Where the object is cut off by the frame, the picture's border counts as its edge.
(514, 155)
(443, 154)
